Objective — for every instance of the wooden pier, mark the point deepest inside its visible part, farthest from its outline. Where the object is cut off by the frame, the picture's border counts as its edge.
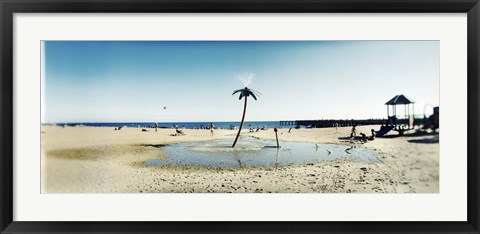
(328, 123)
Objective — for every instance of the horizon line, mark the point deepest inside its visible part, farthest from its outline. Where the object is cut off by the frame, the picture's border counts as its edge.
(340, 119)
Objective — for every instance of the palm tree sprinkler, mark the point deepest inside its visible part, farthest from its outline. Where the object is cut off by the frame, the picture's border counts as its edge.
(245, 92)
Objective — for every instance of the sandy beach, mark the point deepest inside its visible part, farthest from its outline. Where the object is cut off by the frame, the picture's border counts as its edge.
(102, 160)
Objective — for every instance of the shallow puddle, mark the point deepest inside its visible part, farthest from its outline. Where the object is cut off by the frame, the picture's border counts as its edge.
(251, 152)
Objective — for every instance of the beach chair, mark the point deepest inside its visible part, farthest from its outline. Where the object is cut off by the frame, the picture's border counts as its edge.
(179, 131)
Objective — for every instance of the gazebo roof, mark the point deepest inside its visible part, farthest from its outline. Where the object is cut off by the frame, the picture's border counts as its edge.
(399, 100)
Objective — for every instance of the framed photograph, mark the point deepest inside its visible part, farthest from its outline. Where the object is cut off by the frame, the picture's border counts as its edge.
(239, 116)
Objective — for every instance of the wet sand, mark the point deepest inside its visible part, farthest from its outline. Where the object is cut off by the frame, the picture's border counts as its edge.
(102, 160)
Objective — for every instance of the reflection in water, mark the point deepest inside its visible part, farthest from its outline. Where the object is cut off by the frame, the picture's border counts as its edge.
(276, 159)
(251, 152)
(240, 163)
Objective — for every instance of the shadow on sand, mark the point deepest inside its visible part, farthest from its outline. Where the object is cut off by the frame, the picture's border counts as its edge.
(270, 146)
(154, 145)
(356, 138)
(433, 139)
(417, 133)
(430, 140)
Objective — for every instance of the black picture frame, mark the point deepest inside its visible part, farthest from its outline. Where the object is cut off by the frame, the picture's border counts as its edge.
(9, 7)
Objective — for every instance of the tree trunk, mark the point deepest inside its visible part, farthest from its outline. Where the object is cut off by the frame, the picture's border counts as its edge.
(241, 123)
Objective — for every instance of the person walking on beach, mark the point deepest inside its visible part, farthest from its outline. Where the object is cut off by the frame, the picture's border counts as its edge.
(211, 129)
(156, 127)
(354, 131)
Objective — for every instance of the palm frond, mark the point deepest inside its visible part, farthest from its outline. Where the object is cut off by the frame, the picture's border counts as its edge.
(238, 90)
(245, 92)
(256, 92)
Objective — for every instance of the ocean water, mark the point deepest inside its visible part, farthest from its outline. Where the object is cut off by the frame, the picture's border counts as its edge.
(190, 125)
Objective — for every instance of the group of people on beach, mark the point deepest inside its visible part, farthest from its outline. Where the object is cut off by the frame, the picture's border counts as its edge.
(250, 129)
(179, 131)
(353, 134)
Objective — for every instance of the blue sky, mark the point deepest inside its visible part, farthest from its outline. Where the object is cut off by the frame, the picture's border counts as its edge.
(108, 81)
